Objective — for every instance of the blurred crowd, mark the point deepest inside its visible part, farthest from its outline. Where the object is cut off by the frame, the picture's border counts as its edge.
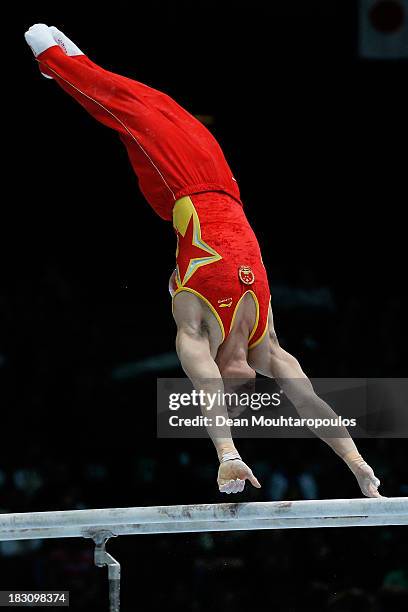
(88, 441)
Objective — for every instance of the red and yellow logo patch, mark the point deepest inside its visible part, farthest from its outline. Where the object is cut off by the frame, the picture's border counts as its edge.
(246, 275)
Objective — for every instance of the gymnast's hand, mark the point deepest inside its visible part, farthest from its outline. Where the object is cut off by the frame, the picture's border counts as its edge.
(366, 478)
(232, 475)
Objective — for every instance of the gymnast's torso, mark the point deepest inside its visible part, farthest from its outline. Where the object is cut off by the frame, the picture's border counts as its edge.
(219, 259)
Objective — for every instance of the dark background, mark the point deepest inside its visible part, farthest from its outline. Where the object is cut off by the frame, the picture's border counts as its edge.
(316, 139)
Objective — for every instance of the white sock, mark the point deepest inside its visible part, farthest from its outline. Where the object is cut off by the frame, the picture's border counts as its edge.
(39, 39)
(64, 42)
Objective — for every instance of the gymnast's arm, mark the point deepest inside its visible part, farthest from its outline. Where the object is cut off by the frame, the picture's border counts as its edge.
(271, 360)
(195, 356)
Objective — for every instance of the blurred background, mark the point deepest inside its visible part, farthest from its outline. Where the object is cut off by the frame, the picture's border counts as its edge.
(309, 102)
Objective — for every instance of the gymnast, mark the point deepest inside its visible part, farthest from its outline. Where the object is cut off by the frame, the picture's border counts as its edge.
(220, 291)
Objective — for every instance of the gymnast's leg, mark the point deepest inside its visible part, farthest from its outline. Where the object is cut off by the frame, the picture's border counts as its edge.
(170, 151)
(270, 359)
(125, 105)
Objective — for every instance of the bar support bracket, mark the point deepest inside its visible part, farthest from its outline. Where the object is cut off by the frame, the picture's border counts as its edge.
(102, 559)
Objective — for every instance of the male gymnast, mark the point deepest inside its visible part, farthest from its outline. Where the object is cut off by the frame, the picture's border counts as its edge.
(220, 291)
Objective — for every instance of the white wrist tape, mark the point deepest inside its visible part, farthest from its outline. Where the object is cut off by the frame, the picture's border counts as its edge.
(230, 456)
